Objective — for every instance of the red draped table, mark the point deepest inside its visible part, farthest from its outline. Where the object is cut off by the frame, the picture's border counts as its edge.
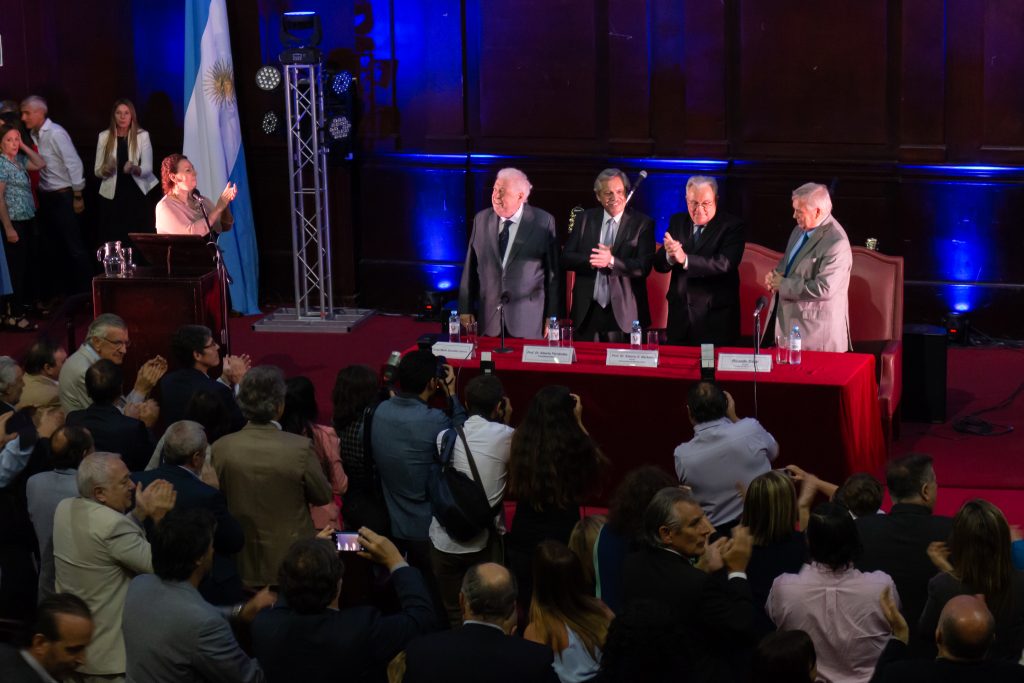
(823, 412)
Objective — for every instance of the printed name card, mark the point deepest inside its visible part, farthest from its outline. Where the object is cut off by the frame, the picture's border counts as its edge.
(549, 354)
(453, 350)
(632, 357)
(744, 362)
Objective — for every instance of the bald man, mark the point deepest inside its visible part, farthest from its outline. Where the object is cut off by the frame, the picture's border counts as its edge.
(965, 632)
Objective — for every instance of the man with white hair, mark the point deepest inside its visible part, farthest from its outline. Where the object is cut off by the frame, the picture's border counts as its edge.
(107, 337)
(813, 277)
(512, 261)
(97, 549)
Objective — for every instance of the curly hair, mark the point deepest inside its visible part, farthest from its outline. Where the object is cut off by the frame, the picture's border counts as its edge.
(168, 166)
(626, 511)
(553, 462)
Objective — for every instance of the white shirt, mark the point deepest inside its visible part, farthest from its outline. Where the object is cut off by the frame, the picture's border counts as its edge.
(63, 165)
(490, 443)
(516, 218)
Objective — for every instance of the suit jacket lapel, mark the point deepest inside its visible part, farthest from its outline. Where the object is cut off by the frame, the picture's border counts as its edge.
(525, 226)
(620, 234)
(813, 240)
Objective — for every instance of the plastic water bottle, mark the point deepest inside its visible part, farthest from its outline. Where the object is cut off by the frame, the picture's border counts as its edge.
(794, 346)
(636, 336)
(554, 331)
(454, 327)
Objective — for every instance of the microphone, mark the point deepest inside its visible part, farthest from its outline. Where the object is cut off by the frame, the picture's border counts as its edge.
(759, 306)
(639, 180)
(195, 192)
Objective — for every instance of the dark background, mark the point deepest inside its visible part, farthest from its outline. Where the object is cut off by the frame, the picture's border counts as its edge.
(913, 108)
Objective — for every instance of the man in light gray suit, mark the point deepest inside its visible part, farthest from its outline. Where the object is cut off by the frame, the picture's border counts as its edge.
(813, 277)
(170, 632)
(512, 260)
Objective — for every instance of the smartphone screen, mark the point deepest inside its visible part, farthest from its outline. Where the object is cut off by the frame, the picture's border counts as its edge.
(346, 542)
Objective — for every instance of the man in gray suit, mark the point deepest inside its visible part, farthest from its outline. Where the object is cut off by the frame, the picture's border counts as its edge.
(170, 632)
(813, 276)
(512, 260)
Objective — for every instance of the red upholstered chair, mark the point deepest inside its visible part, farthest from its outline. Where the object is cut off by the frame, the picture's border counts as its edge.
(876, 326)
(757, 261)
(657, 288)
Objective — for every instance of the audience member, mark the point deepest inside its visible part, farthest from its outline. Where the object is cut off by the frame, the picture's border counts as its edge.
(68, 446)
(484, 649)
(836, 604)
(171, 633)
(107, 337)
(60, 632)
(186, 467)
(553, 466)
(645, 644)
(862, 495)
(356, 388)
(897, 543)
(977, 561)
(703, 583)
(964, 637)
(17, 218)
(488, 439)
(270, 478)
(305, 637)
(725, 453)
(196, 353)
(583, 542)
(563, 616)
(43, 362)
(785, 657)
(300, 414)
(97, 549)
(113, 432)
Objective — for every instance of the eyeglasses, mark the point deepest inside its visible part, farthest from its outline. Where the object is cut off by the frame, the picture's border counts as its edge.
(212, 345)
(700, 205)
(117, 342)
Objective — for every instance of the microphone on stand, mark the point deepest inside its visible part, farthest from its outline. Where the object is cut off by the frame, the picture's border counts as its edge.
(503, 299)
(762, 301)
(759, 306)
(640, 179)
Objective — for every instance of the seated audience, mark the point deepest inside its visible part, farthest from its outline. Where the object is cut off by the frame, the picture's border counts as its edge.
(270, 478)
(977, 561)
(68, 446)
(725, 453)
(300, 413)
(484, 649)
(964, 638)
(784, 657)
(43, 363)
(489, 439)
(897, 543)
(836, 604)
(705, 584)
(356, 388)
(97, 549)
(170, 632)
(861, 494)
(645, 644)
(196, 353)
(582, 542)
(187, 469)
(59, 634)
(107, 337)
(563, 616)
(306, 637)
(623, 534)
(112, 431)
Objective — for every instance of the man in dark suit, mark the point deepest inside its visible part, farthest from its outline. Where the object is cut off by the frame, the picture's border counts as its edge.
(702, 250)
(111, 430)
(512, 260)
(705, 584)
(186, 468)
(61, 630)
(897, 543)
(611, 252)
(484, 649)
(305, 637)
(196, 353)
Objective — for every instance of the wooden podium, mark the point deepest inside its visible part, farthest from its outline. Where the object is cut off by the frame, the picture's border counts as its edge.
(181, 288)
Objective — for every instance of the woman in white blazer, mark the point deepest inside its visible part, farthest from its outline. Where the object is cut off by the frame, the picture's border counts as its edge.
(124, 162)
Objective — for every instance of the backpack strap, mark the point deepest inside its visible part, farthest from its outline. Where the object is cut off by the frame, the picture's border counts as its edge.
(472, 466)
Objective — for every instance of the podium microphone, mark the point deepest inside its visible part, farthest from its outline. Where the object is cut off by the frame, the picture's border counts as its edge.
(640, 179)
(759, 306)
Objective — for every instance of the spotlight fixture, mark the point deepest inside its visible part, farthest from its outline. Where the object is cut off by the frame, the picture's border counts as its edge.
(958, 328)
(300, 36)
(268, 77)
(271, 123)
(338, 128)
(340, 83)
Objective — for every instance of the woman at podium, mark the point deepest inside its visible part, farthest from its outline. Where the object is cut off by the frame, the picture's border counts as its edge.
(183, 211)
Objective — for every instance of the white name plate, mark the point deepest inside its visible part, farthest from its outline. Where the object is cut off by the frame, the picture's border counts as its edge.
(632, 357)
(744, 362)
(453, 350)
(559, 355)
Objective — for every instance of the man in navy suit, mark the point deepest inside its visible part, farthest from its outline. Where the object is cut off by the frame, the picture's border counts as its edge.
(610, 251)
(512, 261)
(702, 249)
(186, 468)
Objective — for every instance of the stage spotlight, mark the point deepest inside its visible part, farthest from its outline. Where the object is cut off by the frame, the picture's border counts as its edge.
(340, 83)
(300, 29)
(271, 123)
(339, 128)
(268, 77)
(958, 328)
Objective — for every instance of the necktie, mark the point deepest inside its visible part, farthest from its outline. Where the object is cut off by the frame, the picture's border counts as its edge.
(601, 294)
(503, 239)
(799, 246)
(697, 230)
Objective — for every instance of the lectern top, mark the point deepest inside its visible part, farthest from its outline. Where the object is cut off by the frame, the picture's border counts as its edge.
(176, 254)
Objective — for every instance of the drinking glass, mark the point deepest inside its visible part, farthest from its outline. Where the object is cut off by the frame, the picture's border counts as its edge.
(567, 331)
(781, 349)
(470, 331)
(653, 340)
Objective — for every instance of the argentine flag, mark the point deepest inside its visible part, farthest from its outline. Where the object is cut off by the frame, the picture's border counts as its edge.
(213, 139)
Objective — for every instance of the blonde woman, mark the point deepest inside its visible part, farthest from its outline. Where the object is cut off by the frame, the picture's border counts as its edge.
(124, 163)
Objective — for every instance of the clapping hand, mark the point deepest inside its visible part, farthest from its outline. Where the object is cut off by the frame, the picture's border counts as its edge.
(47, 421)
(892, 614)
(229, 193)
(938, 553)
(235, 367)
(601, 256)
(155, 500)
(149, 374)
(673, 248)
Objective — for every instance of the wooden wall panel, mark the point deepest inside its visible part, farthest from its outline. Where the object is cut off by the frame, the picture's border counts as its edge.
(922, 81)
(1003, 123)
